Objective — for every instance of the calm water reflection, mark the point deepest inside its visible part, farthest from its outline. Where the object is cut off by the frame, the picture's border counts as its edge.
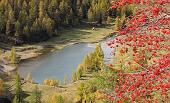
(57, 64)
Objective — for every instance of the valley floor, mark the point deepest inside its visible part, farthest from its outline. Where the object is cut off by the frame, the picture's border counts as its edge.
(66, 37)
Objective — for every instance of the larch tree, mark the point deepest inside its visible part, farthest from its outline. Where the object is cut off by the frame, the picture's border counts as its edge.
(1, 87)
(36, 95)
(18, 90)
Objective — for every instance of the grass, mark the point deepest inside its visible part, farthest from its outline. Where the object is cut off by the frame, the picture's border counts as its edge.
(71, 36)
(67, 91)
(64, 38)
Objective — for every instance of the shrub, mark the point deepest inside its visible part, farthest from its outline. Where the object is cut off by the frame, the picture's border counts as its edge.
(51, 82)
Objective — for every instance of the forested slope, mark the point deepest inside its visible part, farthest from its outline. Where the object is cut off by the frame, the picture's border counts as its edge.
(24, 21)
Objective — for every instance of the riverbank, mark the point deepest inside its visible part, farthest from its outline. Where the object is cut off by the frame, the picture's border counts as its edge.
(68, 91)
(70, 36)
(66, 38)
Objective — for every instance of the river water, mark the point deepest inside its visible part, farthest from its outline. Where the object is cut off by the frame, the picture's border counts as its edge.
(57, 64)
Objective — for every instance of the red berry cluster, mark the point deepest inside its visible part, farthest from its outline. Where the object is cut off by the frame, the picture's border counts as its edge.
(147, 34)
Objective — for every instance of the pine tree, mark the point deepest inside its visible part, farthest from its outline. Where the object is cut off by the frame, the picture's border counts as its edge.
(26, 31)
(8, 27)
(1, 87)
(15, 100)
(33, 12)
(13, 56)
(59, 99)
(18, 89)
(80, 14)
(117, 24)
(41, 10)
(55, 98)
(109, 20)
(49, 26)
(65, 80)
(99, 51)
(71, 17)
(17, 29)
(87, 63)
(36, 95)
(79, 71)
(11, 16)
(29, 78)
(90, 15)
(2, 19)
(74, 77)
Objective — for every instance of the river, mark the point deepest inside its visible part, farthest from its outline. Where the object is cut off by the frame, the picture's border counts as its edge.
(57, 64)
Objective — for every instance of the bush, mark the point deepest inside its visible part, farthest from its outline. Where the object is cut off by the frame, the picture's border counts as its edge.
(51, 82)
(74, 77)
(79, 71)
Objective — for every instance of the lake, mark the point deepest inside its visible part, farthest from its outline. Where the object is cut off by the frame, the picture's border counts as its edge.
(56, 65)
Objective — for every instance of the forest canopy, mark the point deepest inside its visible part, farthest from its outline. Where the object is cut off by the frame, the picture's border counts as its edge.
(24, 21)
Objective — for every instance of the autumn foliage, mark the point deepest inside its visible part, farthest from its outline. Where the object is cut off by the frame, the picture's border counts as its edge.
(146, 40)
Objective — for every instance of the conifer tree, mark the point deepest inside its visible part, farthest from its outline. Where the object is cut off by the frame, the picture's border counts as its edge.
(15, 100)
(29, 78)
(90, 15)
(36, 95)
(41, 10)
(79, 71)
(8, 27)
(65, 80)
(1, 87)
(99, 51)
(74, 77)
(59, 99)
(2, 20)
(117, 24)
(71, 17)
(18, 90)
(13, 56)
(26, 31)
(17, 28)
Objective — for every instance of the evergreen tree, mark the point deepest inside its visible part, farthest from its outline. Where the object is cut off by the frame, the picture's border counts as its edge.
(55, 98)
(13, 56)
(90, 15)
(80, 13)
(109, 20)
(65, 80)
(18, 90)
(99, 51)
(71, 17)
(15, 100)
(87, 63)
(36, 95)
(2, 19)
(8, 27)
(17, 28)
(41, 10)
(10, 22)
(117, 24)
(26, 31)
(59, 99)
(29, 78)
(1, 87)
(79, 71)
(74, 77)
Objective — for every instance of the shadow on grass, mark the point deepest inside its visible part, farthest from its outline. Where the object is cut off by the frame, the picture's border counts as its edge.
(74, 34)
(83, 79)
